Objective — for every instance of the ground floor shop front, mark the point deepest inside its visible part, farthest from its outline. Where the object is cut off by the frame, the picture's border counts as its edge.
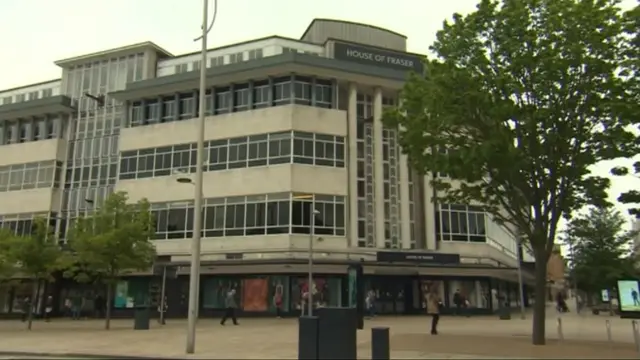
(397, 291)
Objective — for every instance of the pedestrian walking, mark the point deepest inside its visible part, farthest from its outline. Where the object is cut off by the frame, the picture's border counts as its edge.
(277, 301)
(433, 303)
(370, 302)
(231, 306)
(48, 309)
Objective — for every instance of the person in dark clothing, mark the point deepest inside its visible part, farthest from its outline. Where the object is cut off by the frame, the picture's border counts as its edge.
(230, 307)
(561, 303)
(634, 296)
(99, 305)
(48, 308)
(26, 305)
(433, 304)
(458, 300)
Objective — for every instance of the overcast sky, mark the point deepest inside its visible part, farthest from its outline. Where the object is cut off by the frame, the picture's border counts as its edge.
(38, 32)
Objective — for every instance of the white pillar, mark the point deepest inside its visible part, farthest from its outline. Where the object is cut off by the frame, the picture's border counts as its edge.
(405, 219)
(378, 175)
(352, 161)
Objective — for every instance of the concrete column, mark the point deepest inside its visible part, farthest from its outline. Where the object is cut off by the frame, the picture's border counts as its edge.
(429, 212)
(405, 218)
(232, 98)
(57, 128)
(251, 97)
(176, 107)
(313, 91)
(42, 126)
(271, 90)
(334, 94)
(2, 133)
(378, 174)
(352, 164)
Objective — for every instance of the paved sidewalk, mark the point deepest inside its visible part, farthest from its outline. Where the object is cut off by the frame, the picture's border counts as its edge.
(460, 338)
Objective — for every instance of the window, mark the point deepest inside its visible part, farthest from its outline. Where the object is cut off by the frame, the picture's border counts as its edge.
(286, 50)
(255, 54)
(282, 91)
(29, 176)
(181, 68)
(235, 153)
(20, 98)
(223, 101)
(236, 58)
(251, 215)
(137, 114)
(152, 115)
(47, 93)
(216, 61)
(323, 94)
(187, 106)
(261, 94)
(302, 91)
(7, 100)
(241, 98)
(460, 223)
(196, 65)
(168, 110)
(33, 95)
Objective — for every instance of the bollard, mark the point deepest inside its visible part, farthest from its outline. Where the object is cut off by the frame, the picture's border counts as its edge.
(607, 323)
(636, 335)
(380, 348)
(560, 333)
(308, 338)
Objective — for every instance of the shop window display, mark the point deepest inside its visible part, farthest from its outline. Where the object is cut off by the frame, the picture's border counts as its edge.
(214, 291)
(422, 287)
(326, 292)
(278, 287)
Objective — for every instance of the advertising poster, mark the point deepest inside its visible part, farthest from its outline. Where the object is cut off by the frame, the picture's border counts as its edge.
(628, 293)
(604, 295)
(121, 299)
(254, 294)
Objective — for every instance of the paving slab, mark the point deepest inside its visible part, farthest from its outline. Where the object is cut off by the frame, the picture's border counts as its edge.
(460, 338)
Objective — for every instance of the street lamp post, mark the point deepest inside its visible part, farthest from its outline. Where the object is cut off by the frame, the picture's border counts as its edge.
(519, 254)
(194, 274)
(312, 217)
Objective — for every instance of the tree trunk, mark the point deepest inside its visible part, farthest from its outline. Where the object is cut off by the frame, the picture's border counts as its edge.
(540, 306)
(109, 301)
(33, 301)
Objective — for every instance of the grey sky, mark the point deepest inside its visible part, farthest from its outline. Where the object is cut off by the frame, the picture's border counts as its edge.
(38, 32)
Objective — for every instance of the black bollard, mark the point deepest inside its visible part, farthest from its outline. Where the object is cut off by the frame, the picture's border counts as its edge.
(308, 338)
(337, 333)
(380, 348)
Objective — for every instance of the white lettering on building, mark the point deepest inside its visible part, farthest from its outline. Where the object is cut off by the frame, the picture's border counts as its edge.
(368, 56)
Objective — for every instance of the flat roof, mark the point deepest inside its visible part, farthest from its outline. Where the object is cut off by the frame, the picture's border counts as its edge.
(114, 52)
(348, 22)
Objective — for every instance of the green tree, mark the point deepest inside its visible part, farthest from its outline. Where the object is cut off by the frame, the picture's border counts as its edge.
(7, 265)
(36, 256)
(111, 242)
(599, 249)
(632, 75)
(521, 98)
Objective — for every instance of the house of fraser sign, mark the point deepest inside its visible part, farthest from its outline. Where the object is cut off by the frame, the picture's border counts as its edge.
(377, 57)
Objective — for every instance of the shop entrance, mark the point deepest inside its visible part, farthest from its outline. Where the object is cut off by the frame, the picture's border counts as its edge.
(395, 294)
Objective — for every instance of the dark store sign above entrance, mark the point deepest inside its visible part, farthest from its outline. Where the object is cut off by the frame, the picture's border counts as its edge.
(417, 257)
(377, 57)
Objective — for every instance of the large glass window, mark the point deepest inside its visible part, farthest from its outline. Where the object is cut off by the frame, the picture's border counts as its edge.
(251, 215)
(265, 93)
(29, 176)
(236, 153)
(461, 223)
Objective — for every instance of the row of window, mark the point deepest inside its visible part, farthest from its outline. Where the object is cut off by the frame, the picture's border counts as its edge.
(241, 152)
(28, 96)
(219, 61)
(21, 131)
(22, 224)
(284, 213)
(461, 223)
(237, 97)
(33, 175)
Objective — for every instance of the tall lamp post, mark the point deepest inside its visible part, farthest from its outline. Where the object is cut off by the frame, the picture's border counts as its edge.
(194, 274)
(519, 253)
(313, 212)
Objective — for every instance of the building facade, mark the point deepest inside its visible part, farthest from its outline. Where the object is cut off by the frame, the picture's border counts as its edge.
(295, 152)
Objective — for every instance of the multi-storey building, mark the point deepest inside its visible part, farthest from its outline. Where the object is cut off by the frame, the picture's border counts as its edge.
(293, 127)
